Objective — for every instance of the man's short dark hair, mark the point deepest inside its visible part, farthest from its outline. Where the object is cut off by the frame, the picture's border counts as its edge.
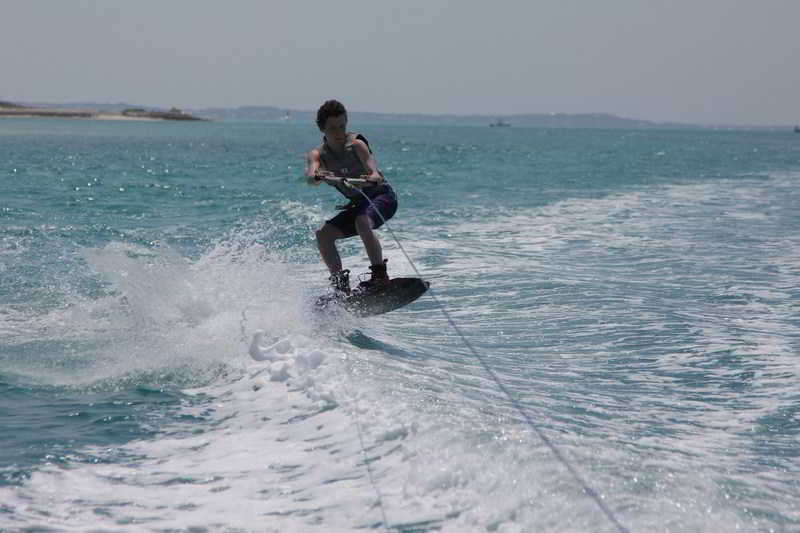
(331, 108)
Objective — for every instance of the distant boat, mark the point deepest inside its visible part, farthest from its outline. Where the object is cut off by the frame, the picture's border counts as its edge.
(500, 123)
(287, 117)
(797, 129)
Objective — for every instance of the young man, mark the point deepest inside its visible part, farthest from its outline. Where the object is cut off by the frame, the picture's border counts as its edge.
(347, 155)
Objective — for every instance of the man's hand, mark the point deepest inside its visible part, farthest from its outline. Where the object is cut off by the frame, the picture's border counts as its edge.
(320, 175)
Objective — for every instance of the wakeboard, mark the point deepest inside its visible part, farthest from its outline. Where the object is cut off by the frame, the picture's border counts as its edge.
(393, 295)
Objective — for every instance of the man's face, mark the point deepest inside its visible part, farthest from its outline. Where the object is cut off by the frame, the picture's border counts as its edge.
(336, 128)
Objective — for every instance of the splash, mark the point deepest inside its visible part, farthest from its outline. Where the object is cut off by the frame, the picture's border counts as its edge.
(154, 310)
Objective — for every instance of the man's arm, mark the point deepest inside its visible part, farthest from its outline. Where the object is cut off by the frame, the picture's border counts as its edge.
(315, 168)
(368, 160)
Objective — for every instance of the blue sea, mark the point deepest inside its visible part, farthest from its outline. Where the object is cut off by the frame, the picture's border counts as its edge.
(629, 302)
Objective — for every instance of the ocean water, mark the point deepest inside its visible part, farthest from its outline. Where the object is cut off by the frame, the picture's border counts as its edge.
(634, 293)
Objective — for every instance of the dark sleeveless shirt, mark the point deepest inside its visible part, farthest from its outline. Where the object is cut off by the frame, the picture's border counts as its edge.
(347, 164)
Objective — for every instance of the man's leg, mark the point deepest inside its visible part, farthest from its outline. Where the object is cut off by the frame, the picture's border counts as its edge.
(370, 240)
(326, 241)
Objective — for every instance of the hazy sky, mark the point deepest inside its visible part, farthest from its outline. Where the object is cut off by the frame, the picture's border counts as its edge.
(706, 61)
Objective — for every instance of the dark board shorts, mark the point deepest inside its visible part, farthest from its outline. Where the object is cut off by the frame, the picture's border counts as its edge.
(385, 204)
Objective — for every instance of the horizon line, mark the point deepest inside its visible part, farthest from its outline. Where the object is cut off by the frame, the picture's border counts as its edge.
(424, 114)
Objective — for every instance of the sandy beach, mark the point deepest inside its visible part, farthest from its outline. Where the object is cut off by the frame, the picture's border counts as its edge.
(119, 116)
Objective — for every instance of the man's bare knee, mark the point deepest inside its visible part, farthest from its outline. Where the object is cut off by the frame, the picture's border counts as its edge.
(363, 223)
(328, 233)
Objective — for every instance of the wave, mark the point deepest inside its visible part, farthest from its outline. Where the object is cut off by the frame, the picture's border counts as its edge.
(638, 369)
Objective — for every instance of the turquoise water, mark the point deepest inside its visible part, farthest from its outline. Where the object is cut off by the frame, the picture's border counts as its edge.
(635, 291)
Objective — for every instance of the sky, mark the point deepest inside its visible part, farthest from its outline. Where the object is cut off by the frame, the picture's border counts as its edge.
(697, 61)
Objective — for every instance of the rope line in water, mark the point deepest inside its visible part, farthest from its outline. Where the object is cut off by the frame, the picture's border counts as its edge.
(553, 448)
(366, 459)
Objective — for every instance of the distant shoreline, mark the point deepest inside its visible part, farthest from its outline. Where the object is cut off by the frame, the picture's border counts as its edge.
(524, 120)
(127, 112)
(10, 110)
